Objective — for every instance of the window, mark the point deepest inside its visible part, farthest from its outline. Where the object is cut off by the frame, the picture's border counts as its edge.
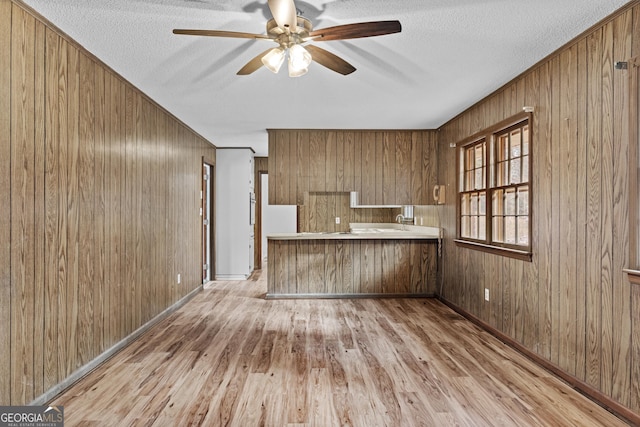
(494, 190)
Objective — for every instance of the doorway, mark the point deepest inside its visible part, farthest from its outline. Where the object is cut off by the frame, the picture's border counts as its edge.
(207, 223)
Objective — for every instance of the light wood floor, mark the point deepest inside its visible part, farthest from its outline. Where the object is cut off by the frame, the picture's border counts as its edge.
(229, 357)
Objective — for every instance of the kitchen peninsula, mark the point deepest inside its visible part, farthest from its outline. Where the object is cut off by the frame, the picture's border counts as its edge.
(370, 260)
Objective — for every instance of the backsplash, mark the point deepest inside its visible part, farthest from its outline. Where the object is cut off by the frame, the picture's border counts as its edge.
(320, 210)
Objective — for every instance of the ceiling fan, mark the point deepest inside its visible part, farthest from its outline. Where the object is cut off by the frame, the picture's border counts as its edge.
(291, 31)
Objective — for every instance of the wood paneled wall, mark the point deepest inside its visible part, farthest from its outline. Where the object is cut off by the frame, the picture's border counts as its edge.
(352, 266)
(320, 210)
(385, 167)
(572, 304)
(100, 210)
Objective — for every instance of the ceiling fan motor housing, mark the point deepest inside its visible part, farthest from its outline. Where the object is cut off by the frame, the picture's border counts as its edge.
(288, 37)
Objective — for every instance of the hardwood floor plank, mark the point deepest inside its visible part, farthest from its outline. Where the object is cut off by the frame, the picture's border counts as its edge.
(230, 357)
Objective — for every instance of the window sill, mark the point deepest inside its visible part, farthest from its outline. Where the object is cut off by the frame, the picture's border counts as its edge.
(634, 276)
(496, 250)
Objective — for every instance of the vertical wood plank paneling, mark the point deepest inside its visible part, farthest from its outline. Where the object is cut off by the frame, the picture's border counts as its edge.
(294, 167)
(331, 284)
(582, 318)
(74, 200)
(358, 159)
(62, 86)
(389, 151)
(284, 174)
(99, 217)
(556, 119)
(73, 116)
(403, 168)
(368, 174)
(302, 260)
(542, 164)
(581, 209)
(22, 206)
(39, 210)
(418, 182)
(86, 192)
(112, 234)
(621, 291)
(349, 161)
(347, 266)
(594, 196)
(302, 181)
(402, 265)
(5, 208)
(331, 162)
(567, 187)
(606, 278)
(52, 233)
(145, 151)
(274, 142)
(317, 161)
(128, 297)
(379, 166)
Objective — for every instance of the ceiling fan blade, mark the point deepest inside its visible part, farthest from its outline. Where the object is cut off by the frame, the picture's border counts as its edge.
(358, 30)
(329, 60)
(284, 13)
(253, 65)
(219, 33)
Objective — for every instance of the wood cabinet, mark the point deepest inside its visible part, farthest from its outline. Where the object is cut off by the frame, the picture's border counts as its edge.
(395, 167)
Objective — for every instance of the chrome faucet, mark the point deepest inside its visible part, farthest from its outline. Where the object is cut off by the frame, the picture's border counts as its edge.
(400, 220)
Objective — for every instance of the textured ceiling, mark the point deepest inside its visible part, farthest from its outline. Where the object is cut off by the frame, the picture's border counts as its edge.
(449, 55)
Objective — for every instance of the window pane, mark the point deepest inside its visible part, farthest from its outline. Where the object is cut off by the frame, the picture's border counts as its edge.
(479, 179)
(525, 169)
(523, 201)
(502, 170)
(469, 180)
(525, 140)
(514, 166)
(482, 203)
(461, 174)
(479, 156)
(473, 231)
(510, 229)
(482, 227)
(470, 161)
(510, 201)
(464, 226)
(464, 204)
(474, 204)
(503, 147)
(498, 202)
(523, 230)
(515, 143)
(498, 229)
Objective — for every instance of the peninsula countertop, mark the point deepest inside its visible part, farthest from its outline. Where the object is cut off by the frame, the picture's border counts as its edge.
(366, 231)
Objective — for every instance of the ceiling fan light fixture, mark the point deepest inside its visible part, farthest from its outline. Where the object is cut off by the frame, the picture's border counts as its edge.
(273, 59)
(299, 60)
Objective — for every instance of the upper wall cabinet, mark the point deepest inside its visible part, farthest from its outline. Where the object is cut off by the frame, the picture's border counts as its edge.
(384, 167)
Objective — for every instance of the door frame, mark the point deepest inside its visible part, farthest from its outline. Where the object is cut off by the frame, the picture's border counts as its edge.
(208, 239)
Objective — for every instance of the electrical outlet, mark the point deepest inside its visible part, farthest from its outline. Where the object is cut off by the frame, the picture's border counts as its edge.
(337, 220)
(486, 294)
(178, 278)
